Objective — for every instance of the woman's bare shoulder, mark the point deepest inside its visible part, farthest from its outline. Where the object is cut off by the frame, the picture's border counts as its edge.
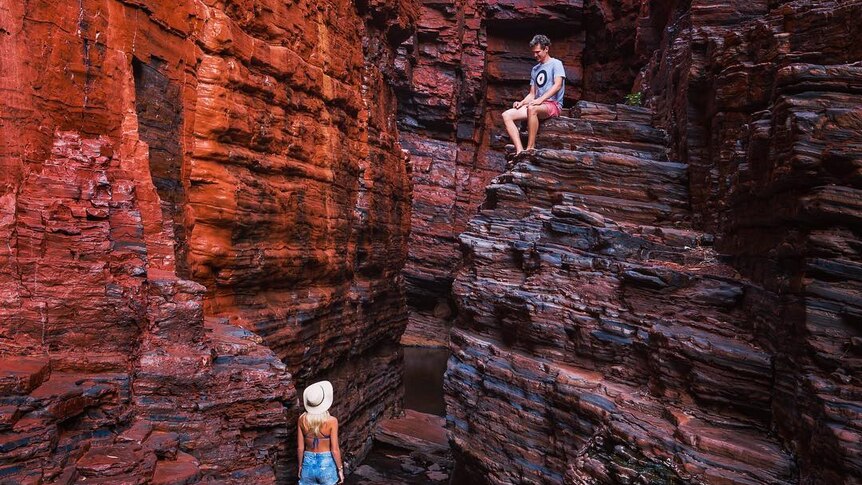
(332, 422)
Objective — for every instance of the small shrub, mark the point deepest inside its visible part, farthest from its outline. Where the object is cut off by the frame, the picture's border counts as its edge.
(635, 99)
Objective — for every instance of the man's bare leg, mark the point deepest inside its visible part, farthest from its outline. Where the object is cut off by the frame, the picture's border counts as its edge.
(510, 117)
(534, 115)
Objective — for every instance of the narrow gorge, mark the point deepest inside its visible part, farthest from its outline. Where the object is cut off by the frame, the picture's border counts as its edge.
(210, 204)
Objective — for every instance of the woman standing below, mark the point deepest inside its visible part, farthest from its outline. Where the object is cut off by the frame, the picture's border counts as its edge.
(317, 438)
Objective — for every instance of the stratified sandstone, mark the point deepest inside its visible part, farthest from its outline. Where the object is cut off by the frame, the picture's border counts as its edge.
(298, 191)
(442, 117)
(774, 166)
(603, 337)
(205, 207)
(110, 372)
(466, 64)
(600, 337)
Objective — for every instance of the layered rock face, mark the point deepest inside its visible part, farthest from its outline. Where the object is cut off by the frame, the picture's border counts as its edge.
(205, 207)
(110, 372)
(299, 195)
(671, 296)
(774, 166)
(467, 63)
(601, 339)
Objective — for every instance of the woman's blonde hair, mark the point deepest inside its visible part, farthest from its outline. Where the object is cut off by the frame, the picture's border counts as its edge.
(315, 421)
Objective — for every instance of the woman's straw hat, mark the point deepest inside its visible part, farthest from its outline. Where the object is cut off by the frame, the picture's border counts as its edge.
(317, 397)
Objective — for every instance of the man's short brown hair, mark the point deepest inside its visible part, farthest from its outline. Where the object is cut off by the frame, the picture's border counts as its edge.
(542, 40)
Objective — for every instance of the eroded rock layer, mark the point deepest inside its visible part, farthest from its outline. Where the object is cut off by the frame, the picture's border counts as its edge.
(604, 337)
(110, 372)
(467, 63)
(205, 207)
(774, 159)
(599, 327)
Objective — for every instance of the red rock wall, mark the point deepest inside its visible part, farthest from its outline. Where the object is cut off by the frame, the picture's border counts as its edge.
(466, 64)
(441, 112)
(171, 174)
(771, 128)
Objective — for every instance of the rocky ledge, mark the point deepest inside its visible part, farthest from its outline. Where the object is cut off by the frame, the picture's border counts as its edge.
(677, 304)
(601, 337)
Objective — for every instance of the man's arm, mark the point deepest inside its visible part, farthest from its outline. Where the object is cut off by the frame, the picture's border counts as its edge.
(558, 83)
(530, 96)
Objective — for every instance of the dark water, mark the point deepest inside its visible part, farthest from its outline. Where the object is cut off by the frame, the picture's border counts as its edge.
(423, 379)
(423, 392)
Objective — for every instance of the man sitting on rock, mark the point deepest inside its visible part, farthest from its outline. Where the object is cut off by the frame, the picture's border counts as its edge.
(547, 84)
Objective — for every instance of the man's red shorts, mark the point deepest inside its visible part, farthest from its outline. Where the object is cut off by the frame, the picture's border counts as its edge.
(553, 108)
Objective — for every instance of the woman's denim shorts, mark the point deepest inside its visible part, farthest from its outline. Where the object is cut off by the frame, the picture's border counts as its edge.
(318, 469)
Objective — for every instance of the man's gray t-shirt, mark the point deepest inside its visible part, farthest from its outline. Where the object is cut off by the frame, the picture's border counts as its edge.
(543, 76)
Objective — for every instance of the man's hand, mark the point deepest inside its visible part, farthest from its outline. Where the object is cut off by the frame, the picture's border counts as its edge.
(340, 475)
(517, 104)
(299, 474)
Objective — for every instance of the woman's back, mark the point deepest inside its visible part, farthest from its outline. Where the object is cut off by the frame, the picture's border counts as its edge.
(321, 440)
(317, 438)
